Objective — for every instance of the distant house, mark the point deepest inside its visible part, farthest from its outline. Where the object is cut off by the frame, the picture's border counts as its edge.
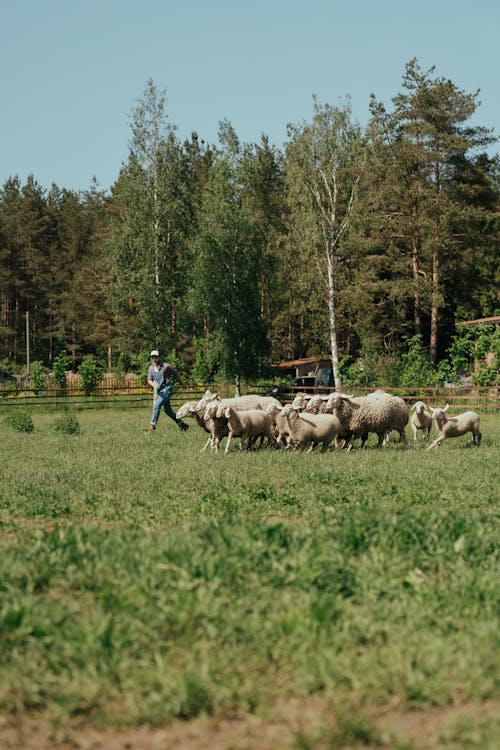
(304, 366)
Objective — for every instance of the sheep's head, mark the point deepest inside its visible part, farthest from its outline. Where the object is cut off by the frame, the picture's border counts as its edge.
(335, 402)
(419, 407)
(299, 401)
(314, 404)
(223, 411)
(272, 409)
(186, 410)
(439, 414)
(206, 398)
(210, 409)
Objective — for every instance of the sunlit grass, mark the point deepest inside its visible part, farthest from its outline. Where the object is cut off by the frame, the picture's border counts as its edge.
(141, 580)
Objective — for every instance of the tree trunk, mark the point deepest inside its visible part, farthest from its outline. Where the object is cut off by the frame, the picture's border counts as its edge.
(415, 268)
(435, 306)
(436, 268)
(333, 326)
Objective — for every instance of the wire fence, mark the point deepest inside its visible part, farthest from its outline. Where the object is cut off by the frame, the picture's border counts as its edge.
(130, 392)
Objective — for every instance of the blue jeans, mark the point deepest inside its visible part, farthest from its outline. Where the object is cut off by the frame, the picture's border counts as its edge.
(163, 400)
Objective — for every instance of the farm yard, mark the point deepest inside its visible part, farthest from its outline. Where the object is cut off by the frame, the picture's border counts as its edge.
(156, 596)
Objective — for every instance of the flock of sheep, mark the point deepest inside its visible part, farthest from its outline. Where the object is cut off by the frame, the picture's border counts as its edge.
(315, 420)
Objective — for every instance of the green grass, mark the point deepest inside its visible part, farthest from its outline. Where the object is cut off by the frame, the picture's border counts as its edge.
(141, 580)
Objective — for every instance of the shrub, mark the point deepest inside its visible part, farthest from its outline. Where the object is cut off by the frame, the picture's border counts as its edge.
(61, 364)
(20, 421)
(38, 376)
(67, 424)
(90, 374)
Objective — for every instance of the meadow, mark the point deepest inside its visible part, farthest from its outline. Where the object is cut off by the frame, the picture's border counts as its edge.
(143, 583)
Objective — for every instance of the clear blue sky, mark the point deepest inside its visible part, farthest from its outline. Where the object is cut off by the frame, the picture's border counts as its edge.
(72, 70)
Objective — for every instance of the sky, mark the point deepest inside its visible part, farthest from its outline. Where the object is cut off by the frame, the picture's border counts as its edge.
(71, 71)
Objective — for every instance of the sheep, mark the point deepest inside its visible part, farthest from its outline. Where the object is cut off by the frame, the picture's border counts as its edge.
(241, 403)
(307, 430)
(315, 405)
(192, 409)
(209, 402)
(448, 427)
(280, 425)
(247, 425)
(218, 426)
(420, 419)
(377, 412)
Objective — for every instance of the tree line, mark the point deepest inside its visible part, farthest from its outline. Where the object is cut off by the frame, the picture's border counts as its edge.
(363, 243)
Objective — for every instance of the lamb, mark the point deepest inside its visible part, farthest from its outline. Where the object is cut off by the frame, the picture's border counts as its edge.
(247, 425)
(191, 409)
(307, 430)
(448, 427)
(377, 412)
(421, 419)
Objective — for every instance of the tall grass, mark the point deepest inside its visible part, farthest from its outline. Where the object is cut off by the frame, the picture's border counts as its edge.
(141, 580)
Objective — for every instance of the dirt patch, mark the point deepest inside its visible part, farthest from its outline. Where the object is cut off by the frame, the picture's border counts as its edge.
(312, 718)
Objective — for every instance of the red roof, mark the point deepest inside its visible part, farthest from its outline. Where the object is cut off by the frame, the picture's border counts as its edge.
(304, 361)
(479, 321)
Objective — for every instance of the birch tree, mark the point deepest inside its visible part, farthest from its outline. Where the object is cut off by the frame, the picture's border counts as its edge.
(326, 158)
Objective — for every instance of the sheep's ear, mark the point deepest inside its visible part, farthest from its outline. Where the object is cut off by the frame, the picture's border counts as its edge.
(446, 407)
(413, 407)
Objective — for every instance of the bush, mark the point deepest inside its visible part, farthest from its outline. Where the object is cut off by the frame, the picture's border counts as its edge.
(38, 376)
(61, 364)
(90, 372)
(20, 421)
(67, 424)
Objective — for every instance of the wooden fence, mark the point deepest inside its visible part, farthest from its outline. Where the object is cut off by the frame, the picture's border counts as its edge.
(130, 391)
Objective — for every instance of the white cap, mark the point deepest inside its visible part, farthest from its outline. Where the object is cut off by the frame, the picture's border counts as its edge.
(155, 353)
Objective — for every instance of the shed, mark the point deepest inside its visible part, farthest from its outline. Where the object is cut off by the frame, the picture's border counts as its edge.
(304, 366)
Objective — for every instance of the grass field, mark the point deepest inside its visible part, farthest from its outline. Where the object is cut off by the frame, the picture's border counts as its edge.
(338, 596)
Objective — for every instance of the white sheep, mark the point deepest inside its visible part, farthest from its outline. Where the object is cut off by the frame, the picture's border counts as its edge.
(209, 402)
(215, 431)
(448, 427)
(306, 430)
(241, 403)
(420, 419)
(377, 412)
(218, 425)
(315, 404)
(248, 425)
(280, 425)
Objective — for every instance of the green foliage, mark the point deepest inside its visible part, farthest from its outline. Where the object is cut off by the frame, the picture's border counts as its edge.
(485, 375)
(7, 366)
(461, 352)
(38, 376)
(59, 368)
(226, 272)
(415, 366)
(67, 424)
(352, 373)
(90, 372)
(20, 421)
(227, 580)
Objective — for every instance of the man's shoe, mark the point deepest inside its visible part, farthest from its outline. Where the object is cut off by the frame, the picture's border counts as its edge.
(183, 426)
(150, 428)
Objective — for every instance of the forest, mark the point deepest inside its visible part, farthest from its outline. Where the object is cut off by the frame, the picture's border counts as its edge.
(369, 245)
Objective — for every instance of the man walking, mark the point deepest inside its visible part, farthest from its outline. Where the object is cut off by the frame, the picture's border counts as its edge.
(160, 376)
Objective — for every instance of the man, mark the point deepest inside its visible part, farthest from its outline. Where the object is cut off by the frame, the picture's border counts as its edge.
(160, 376)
